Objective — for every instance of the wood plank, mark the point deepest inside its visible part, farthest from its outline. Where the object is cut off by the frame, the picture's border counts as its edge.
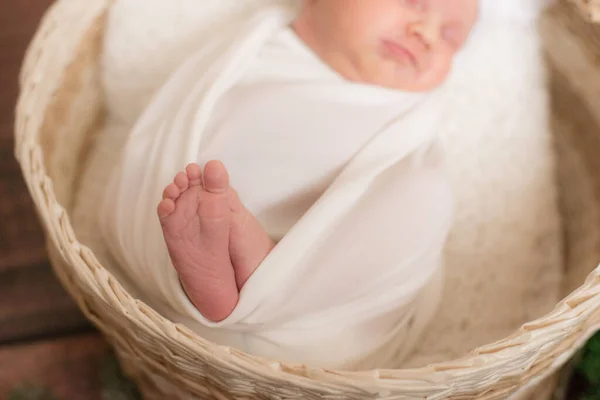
(70, 368)
(33, 305)
(21, 239)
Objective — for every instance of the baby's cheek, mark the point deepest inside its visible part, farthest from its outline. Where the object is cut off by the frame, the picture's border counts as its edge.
(439, 69)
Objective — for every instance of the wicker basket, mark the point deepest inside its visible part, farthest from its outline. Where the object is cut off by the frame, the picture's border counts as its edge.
(61, 108)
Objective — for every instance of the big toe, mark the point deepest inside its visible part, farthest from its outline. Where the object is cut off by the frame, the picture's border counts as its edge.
(216, 178)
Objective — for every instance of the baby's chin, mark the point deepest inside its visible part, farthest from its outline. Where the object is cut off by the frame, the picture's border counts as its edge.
(421, 80)
(409, 80)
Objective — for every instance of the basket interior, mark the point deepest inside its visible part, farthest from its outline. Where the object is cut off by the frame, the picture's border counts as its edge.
(572, 51)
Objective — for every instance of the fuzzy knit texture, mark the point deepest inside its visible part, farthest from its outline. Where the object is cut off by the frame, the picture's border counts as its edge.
(504, 257)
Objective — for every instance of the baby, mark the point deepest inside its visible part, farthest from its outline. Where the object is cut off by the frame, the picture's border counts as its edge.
(317, 237)
(214, 241)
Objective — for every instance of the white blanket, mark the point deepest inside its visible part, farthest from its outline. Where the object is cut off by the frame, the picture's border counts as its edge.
(500, 158)
(355, 278)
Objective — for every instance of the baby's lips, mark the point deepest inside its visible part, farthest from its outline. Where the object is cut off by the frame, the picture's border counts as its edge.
(400, 52)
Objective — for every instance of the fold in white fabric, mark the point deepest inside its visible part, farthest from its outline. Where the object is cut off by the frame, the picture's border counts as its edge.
(347, 178)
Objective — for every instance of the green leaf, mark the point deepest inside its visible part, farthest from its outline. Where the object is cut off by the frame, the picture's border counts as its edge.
(591, 396)
(589, 366)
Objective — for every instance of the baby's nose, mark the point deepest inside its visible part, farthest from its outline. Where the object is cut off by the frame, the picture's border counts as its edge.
(427, 29)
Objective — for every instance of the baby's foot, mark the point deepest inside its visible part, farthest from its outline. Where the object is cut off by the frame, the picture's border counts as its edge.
(249, 243)
(196, 222)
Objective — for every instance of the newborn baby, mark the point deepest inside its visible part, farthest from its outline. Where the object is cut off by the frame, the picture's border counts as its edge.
(328, 252)
(216, 243)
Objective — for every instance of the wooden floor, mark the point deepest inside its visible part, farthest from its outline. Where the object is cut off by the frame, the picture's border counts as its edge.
(44, 341)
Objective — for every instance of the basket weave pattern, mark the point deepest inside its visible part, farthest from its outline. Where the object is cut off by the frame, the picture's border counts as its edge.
(60, 109)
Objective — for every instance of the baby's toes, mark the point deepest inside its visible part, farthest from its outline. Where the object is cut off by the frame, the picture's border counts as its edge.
(171, 192)
(216, 178)
(194, 174)
(181, 181)
(165, 208)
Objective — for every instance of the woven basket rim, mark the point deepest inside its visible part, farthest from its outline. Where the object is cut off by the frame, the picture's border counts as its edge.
(535, 338)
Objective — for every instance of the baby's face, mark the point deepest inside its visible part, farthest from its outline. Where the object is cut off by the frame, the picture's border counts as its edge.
(400, 44)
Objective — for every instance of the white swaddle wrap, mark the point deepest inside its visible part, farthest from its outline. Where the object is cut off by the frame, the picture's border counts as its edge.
(352, 281)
